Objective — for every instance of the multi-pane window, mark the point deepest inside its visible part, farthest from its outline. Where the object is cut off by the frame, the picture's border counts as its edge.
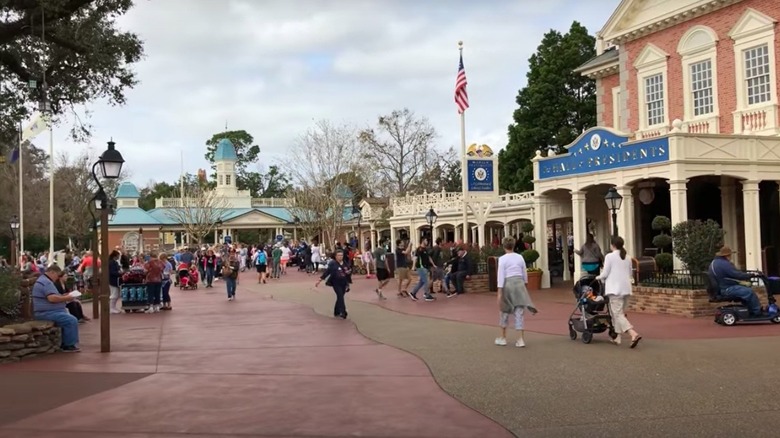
(227, 180)
(654, 99)
(701, 87)
(757, 74)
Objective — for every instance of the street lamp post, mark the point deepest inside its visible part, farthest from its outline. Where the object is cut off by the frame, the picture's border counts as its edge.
(110, 163)
(431, 217)
(357, 214)
(297, 223)
(14, 224)
(94, 281)
(614, 201)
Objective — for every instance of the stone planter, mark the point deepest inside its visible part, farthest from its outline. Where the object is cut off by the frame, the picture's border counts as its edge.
(534, 280)
(28, 339)
(677, 302)
(477, 284)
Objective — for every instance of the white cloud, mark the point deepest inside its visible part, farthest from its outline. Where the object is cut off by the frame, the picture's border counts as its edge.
(273, 67)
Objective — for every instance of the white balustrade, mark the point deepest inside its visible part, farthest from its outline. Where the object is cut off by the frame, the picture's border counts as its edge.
(449, 202)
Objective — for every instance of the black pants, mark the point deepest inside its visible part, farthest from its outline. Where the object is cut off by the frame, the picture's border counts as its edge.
(340, 309)
(74, 307)
(460, 282)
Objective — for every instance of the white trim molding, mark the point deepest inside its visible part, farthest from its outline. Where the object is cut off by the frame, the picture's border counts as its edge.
(650, 62)
(698, 45)
(754, 29)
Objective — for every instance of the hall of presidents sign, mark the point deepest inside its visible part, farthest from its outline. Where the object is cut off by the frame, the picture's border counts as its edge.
(600, 150)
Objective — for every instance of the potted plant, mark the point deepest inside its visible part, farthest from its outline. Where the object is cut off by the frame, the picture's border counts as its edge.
(10, 296)
(530, 256)
(663, 260)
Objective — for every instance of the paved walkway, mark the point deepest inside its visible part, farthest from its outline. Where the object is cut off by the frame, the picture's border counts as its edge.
(253, 367)
(266, 365)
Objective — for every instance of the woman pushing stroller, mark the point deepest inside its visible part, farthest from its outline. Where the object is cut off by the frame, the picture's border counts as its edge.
(617, 287)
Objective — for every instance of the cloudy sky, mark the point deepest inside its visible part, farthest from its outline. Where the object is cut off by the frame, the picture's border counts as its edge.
(272, 67)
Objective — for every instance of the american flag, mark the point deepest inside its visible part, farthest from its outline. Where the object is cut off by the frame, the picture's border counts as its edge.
(461, 96)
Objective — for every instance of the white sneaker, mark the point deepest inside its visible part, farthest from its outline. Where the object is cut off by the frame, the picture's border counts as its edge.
(230, 298)
(157, 309)
(500, 341)
(115, 311)
(520, 343)
(149, 310)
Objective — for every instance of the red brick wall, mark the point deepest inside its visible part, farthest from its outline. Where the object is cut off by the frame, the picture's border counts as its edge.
(477, 284)
(687, 303)
(151, 239)
(606, 84)
(720, 21)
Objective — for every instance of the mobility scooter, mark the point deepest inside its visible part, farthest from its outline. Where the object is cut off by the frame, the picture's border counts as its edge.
(731, 314)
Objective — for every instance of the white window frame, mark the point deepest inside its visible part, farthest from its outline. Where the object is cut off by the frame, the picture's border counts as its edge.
(650, 62)
(227, 179)
(697, 45)
(616, 108)
(752, 30)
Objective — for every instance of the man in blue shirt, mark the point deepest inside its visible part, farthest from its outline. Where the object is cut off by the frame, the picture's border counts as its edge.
(730, 281)
(49, 305)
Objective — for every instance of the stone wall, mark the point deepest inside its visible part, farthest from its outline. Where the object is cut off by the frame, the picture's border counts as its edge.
(477, 284)
(29, 339)
(678, 302)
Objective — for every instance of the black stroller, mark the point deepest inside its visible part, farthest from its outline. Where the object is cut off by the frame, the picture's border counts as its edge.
(591, 315)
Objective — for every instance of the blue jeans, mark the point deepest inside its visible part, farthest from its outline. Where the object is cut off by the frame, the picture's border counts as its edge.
(230, 282)
(153, 291)
(209, 275)
(65, 321)
(449, 281)
(746, 295)
(423, 283)
(166, 291)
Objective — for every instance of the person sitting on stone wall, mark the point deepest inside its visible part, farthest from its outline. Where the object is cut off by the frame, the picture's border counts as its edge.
(49, 305)
(731, 281)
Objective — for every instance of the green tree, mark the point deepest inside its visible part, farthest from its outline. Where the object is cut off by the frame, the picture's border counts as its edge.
(155, 190)
(248, 153)
(696, 242)
(555, 106)
(270, 184)
(76, 45)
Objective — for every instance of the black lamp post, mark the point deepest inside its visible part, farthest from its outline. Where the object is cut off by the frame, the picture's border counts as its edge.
(94, 281)
(14, 224)
(217, 225)
(431, 217)
(614, 201)
(357, 214)
(110, 164)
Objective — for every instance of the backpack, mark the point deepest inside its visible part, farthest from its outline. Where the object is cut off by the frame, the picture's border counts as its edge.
(260, 258)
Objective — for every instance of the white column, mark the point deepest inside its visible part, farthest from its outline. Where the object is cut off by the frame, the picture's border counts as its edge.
(565, 245)
(481, 230)
(392, 240)
(540, 232)
(216, 236)
(625, 220)
(580, 227)
(728, 210)
(752, 211)
(678, 193)
(373, 236)
(507, 231)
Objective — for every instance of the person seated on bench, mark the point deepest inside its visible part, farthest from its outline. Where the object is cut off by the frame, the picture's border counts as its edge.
(731, 281)
(464, 270)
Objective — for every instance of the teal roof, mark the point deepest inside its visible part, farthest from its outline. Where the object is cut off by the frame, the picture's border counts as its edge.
(343, 192)
(127, 190)
(133, 216)
(225, 151)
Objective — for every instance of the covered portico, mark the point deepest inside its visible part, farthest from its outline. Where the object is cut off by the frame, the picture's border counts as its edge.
(730, 179)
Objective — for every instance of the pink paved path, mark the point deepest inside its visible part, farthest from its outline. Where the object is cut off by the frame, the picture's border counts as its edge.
(555, 306)
(253, 367)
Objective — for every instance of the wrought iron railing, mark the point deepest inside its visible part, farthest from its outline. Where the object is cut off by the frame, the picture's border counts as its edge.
(677, 279)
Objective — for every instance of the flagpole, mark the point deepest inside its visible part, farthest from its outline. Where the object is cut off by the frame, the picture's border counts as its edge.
(21, 194)
(51, 194)
(463, 172)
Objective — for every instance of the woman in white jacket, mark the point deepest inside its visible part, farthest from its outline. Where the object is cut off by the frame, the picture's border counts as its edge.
(617, 287)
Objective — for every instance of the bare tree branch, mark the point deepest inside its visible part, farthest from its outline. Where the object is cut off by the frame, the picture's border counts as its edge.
(199, 211)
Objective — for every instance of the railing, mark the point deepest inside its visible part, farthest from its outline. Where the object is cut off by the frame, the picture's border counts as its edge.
(677, 279)
(756, 120)
(272, 202)
(704, 126)
(448, 202)
(173, 202)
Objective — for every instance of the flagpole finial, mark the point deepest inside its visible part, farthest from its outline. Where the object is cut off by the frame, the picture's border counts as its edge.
(460, 44)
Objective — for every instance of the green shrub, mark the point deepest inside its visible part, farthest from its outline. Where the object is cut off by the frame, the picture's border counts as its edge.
(696, 242)
(10, 296)
(664, 261)
(530, 256)
(527, 227)
(661, 223)
(662, 241)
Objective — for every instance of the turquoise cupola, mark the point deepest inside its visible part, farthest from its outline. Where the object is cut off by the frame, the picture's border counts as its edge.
(127, 195)
(225, 159)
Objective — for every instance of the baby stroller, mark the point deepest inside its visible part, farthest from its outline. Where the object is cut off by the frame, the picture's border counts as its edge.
(186, 280)
(591, 315)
